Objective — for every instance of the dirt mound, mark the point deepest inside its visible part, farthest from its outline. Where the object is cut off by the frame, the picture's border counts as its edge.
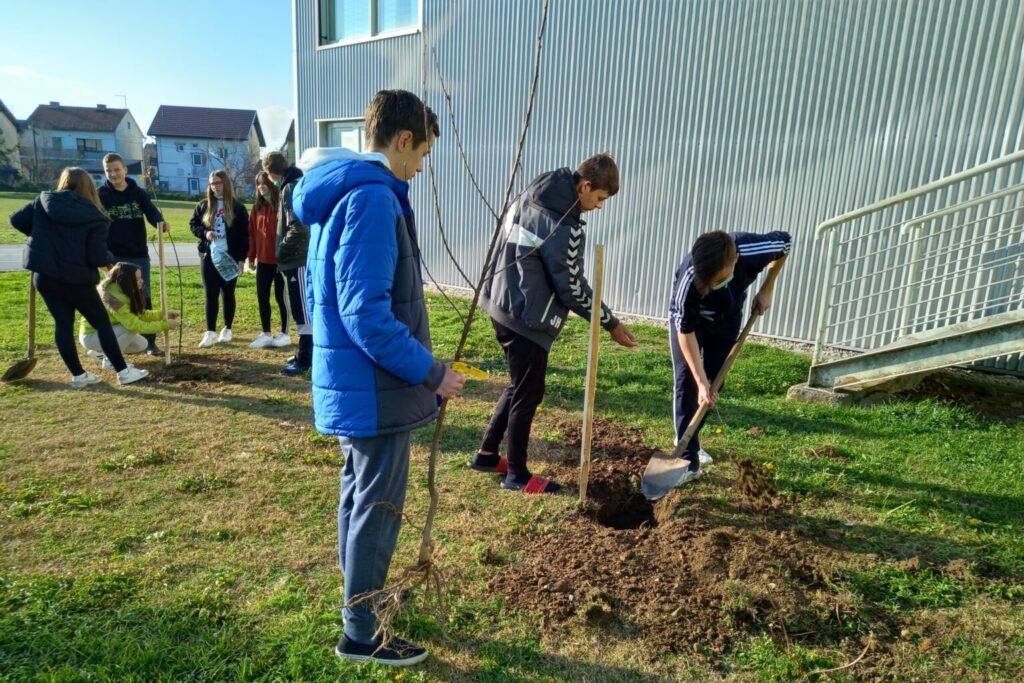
(676, 578)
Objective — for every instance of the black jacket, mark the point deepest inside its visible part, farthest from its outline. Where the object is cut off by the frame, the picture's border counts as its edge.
(536, 276)
(237, 231)
(67, 237)
(292, 234)
(128, 210)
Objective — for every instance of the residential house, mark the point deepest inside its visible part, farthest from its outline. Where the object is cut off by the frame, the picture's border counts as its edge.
(746, 116)
(192, 142)
(10, 165)
(55, 136)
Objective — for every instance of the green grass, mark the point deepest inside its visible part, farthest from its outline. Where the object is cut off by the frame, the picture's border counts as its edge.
(186, 531)
(176, 212)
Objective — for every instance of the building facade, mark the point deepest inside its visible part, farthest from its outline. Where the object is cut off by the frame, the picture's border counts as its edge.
(55, 136)
(735, 115)
(192, 142)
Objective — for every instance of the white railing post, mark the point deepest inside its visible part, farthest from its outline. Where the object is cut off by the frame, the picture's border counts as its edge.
(910, 282)
(827, 293)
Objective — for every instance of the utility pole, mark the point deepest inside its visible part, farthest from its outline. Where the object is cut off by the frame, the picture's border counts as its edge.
(35, 149)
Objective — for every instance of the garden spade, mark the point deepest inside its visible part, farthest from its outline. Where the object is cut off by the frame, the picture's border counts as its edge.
(664, 473)
(24, 366)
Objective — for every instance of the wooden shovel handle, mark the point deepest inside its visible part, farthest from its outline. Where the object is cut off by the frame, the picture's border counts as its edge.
(691, 429)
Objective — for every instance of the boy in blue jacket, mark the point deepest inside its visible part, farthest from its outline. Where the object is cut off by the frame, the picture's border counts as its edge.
(374, 376)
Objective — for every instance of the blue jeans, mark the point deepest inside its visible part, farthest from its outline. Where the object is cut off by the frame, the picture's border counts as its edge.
(376, 470)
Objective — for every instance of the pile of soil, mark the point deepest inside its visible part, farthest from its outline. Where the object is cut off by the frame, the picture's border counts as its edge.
(665, 573)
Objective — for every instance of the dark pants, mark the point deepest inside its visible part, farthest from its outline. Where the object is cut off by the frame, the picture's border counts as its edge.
(715, 342)
(296, 279)
(267, 275)
(214, 284)
(527, 366)
(63, 299)
(144, 265)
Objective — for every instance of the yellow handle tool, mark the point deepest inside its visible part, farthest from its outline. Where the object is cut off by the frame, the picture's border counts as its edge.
(468, 370)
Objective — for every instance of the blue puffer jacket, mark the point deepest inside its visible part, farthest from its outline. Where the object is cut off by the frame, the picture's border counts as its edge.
(373, 370)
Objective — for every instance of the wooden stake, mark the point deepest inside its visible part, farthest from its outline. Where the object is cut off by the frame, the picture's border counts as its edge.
(163, 293)
(591, 385)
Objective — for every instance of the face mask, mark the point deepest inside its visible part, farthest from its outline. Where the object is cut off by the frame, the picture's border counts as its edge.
(218, 196)
(723, 283)
(265, 195)
(278, 182)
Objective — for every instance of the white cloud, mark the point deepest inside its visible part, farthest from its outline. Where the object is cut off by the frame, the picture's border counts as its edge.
(275, 120)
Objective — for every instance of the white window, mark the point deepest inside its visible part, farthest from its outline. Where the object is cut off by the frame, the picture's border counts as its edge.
(88, 145)
(57, 143)
(197, 159)
(179, 147)
(346, 133)
(342, 20)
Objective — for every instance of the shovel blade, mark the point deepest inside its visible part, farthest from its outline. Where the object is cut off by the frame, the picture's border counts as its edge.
(662, 475)
(19, 370)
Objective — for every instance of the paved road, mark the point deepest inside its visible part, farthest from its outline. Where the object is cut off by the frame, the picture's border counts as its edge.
(10, 256)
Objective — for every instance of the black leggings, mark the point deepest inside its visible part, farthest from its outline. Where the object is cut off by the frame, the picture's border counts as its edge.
(63, 299)
(513, 414)
(214, 284)
(266, 273)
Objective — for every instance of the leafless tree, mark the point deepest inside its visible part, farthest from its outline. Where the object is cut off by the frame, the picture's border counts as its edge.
(238, 158)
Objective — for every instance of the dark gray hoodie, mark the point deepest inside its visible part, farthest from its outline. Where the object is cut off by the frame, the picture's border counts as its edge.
(536, 276)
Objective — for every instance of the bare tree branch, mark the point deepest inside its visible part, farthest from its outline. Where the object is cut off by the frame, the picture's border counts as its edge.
(426, 545)
(458, 138)
(440, 223)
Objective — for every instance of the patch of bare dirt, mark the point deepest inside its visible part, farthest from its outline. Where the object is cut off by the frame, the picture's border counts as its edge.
(678, 582)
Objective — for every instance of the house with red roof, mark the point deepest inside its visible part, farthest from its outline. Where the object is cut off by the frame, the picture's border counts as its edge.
(192, 142)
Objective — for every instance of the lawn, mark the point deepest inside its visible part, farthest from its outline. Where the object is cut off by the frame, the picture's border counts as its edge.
(176, 212)
(184, 528)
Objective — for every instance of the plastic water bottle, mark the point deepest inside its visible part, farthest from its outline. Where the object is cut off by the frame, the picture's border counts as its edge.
(222, 261)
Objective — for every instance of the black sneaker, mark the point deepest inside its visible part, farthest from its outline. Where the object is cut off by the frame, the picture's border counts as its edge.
(397, 652)
(154, 350)
(294, 369)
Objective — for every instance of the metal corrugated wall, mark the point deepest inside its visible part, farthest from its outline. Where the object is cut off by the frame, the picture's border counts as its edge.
(742, 115)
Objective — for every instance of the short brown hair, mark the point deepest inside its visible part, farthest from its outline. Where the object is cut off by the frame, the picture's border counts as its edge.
(275, 162)
(392, 111)
(602, 172)
(111, 157)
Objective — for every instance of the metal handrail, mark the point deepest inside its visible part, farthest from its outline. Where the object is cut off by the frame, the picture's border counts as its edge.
(829, 227)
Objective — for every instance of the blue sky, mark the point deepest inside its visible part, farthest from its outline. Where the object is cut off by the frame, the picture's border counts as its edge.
(220, 53)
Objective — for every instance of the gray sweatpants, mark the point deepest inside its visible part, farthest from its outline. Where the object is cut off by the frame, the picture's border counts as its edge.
(376, 470)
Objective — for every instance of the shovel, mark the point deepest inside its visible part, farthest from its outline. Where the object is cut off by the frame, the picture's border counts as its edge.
(664, 473)
(24, 366)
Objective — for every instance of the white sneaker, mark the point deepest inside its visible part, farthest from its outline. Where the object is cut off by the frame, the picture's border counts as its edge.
(93, 354)
(689, 476)
(208, 340)
(131, 374)
(261, 341)
(705, 458)
(283, 339)
(225, 335)
(84, 380)
(104, 362)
